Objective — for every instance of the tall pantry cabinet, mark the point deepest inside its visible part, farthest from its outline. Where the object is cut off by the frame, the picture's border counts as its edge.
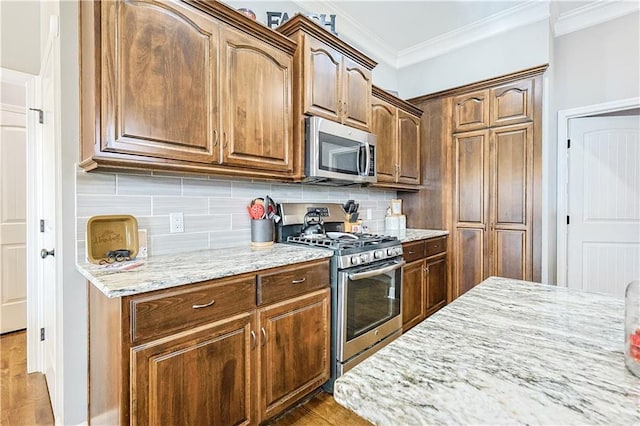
(486, 138)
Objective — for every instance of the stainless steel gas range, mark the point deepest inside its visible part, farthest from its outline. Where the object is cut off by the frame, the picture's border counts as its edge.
(366, 281)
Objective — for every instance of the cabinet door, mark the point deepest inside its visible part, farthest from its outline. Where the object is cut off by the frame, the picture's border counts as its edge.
(436, 284)
(294, 349)
(471, 111)
(322, 85)
(198, 377)
(257, 111)
(412, 294)
(471, 209)
(512, 103)
(408, 148)
(356, 95)
(159, 81)
(511, 201)
(384, 126)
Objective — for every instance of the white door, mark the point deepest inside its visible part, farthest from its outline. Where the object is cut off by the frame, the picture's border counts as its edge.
(47, 159)
(13, 210)
(604, 204)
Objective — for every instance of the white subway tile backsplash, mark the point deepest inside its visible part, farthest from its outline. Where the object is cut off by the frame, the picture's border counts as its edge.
(175, 243)
(91, 205)
(95, 183)
(206, 188)
(186, 205)
(148, 185)
(207, 223)
(249, 190)
(215, 209)
(230, 238)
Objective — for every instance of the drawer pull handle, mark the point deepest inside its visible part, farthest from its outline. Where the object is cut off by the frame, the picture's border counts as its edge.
(411, 252)
(206, 305)
(435, 246)
(264, 336)
(301, 280)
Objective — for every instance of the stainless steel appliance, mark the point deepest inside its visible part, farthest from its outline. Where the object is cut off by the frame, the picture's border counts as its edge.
(366, 283)
(338, 154)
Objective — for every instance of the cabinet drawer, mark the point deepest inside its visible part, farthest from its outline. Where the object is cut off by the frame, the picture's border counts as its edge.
(296, 280)
(413, 251)
(436, 245)
(178, 310)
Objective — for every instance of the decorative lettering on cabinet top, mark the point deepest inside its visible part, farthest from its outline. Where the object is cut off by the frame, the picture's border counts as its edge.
(275, 19)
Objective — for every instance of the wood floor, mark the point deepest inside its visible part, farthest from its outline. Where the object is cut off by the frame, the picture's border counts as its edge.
(24, 399)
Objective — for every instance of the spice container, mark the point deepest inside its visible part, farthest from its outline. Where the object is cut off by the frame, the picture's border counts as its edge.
(632, 327)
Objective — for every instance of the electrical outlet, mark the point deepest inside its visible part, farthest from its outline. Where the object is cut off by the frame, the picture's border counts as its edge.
(176, 222)
(369, 214)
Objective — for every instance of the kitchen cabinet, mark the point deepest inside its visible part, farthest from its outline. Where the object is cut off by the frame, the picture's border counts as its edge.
(396, 124)
(492, 209)
(424, 280)
(482, 172)
(210, 352)
(471, 111)
(332, 80)
(189, 86)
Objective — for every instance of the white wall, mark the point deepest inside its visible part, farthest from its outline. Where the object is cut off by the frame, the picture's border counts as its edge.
(20, 35)
(518, 49)
(598, 64)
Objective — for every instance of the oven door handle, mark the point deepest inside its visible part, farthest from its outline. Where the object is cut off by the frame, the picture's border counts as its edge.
(369, 274)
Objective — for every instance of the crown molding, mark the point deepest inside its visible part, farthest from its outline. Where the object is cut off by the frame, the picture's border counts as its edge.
(593, 14)
(355, 32)
(509, 19)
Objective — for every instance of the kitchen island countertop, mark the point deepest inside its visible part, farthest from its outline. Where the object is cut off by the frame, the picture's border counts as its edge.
(164, 271)
(413, 234)
(506, 352)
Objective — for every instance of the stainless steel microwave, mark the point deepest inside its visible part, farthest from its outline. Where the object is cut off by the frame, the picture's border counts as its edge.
(338, 154)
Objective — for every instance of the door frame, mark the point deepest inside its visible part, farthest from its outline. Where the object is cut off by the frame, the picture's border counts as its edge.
(563, 172)
(34, 361)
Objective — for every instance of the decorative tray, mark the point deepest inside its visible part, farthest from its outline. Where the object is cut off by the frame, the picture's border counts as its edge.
(111, 232)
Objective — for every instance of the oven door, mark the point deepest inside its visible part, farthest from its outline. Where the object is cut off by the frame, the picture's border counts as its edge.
(369, 306)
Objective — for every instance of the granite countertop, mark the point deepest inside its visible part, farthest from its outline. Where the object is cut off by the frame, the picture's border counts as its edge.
(421, 234)
(506, 352)
(159, 272)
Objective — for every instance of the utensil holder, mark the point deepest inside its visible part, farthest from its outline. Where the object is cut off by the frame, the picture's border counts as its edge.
(262, 231)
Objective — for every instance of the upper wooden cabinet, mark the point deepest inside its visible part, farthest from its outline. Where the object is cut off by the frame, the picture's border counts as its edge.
(471, 111)
(396, 124)
(511, 103)
(187, 86)
(334, 79)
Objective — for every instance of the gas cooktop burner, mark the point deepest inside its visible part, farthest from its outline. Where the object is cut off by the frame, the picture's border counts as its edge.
(341, 240)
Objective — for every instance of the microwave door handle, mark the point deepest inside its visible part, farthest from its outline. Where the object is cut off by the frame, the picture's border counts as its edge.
(375, 272)
(368, 166)
(358, 160)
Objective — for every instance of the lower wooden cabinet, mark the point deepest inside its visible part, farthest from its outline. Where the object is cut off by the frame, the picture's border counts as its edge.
(424, 280)
(294, 353)
(242, 368)
(197, 377)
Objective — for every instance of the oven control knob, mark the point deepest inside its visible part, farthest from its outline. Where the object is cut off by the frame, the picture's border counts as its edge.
(390, 252)
(364, 258)
(378, 254)
(355, 260)
(398, 251)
